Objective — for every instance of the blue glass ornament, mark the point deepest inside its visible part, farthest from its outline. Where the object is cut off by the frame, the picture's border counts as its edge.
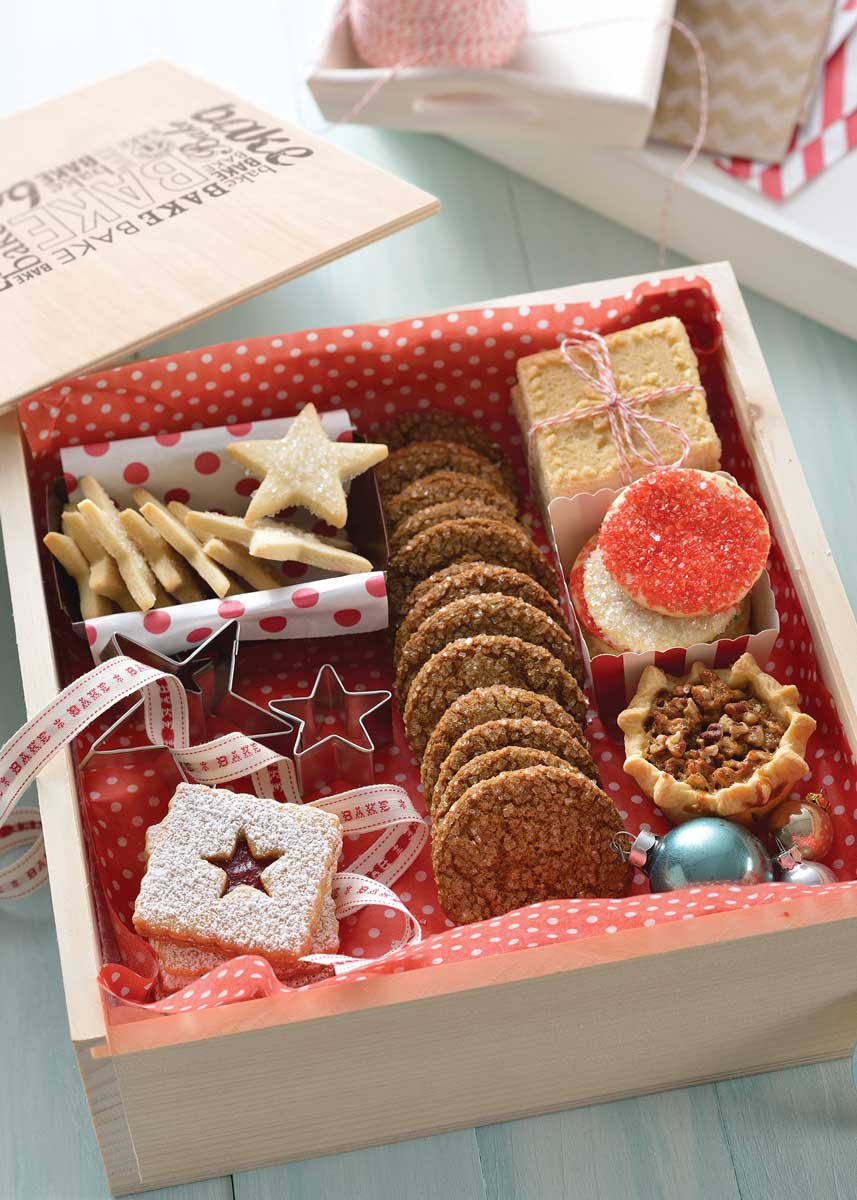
(706, 850)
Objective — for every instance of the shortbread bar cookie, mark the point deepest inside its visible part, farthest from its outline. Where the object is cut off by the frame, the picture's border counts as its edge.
(487, 766)
(70, 558)
(479, 662)
(491, 613)
(494, 703)
(470, 579)
(540, 833)
(510, 731)
(239, 873)
(450, 510)
(580, 455)
(169, 568)
(468, 540)
(424, 458)
(441, 486)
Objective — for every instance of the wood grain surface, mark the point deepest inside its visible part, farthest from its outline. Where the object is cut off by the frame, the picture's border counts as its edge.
(790, 1134)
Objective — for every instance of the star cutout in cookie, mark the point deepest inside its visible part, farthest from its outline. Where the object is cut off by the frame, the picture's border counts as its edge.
(243, 868)
(304, 468)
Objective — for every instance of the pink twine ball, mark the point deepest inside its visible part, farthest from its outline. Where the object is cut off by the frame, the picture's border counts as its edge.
(437, 33)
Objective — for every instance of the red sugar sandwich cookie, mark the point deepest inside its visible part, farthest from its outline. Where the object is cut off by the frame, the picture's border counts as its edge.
(684, 542)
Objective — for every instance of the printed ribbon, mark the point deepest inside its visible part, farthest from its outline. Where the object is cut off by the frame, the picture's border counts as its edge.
(381, 809)
(627, 420)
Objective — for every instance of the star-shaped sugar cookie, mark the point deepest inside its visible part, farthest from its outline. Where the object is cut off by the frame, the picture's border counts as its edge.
(304, 468)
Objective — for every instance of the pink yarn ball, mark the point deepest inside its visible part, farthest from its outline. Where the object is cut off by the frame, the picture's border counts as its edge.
(437, 33)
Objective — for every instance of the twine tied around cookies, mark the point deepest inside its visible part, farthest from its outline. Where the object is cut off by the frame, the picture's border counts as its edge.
(626, 414)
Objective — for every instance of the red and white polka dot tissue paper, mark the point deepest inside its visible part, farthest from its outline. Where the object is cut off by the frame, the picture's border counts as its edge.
(460, 361)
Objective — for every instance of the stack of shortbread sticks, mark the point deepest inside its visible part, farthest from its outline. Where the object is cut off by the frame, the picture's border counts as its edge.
(488, 681)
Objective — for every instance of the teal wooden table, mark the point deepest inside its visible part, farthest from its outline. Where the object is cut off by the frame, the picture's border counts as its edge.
(792, 1134)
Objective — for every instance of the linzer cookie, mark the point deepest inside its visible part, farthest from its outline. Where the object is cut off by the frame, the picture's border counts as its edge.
(442, 486)
(582, 454)
(419, 459)
(468, 540)
(479, 662)
(685, 543)
(487, 766)
(237, 873)
(470, 579)
(451, 510)
(485, 613)
(524, 836)
(493, 703)
(508, 731)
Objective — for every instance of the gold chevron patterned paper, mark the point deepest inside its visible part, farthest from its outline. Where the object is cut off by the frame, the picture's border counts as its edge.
(762, 58)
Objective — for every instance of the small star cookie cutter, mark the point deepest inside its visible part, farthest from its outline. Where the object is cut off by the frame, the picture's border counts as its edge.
(365, 723)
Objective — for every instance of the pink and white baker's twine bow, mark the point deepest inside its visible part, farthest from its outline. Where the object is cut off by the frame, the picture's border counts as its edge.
(626, 414)
(381, 808)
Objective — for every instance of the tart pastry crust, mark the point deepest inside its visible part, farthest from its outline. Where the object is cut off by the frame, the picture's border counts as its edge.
(745, 799)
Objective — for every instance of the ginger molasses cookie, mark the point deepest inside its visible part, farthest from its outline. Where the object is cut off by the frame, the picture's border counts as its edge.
(423, 458)
(478, 662)
(540, 833)
(441, 486)
(469, 579)
(494, 703)
(467, 540)
(512, 731)
(450, 510)
(435, 425)
(491, 613)
(486, 766)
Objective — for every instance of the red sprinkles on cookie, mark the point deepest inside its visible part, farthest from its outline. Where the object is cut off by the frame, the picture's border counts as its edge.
(685, 542)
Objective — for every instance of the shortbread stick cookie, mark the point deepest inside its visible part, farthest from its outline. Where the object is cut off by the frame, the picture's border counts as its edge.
(205, 525)
(70, 558)
(470, 579)
(486, 766)
(181, 539)
(435, 425)
(104, 577)
(441, 486)
(541, 833)
(451, 510)
(109, 530)
(479, 662)
(494, 703)
(489, 612)
(279, 542)
(424, 458)
(169, 568)
(471, 540)
(236, 559)
(512, 731)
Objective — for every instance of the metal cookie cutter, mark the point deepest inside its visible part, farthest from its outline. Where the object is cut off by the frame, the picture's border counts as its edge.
(365, 725)
(207, 674)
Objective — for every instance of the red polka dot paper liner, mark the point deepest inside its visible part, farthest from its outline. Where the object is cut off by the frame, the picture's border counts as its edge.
(460, 361)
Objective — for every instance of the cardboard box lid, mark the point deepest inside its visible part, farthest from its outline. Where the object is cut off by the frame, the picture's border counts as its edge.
(134, 207)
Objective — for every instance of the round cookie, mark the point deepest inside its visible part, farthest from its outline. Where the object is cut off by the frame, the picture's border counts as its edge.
(436, 425)
(540, 833)
(478, 662)
(450, 510)
(441, 486)
(595, 639)
(423, 458)
(507, 732)
(492, 613)
(486, 766)
(684, 542)
(494, 703)
(467, 540)
(469, 579)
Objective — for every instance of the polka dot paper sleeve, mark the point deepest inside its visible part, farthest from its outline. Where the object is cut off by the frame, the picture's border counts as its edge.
(461, 361)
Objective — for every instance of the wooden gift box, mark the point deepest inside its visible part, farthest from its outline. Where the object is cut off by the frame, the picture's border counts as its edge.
(466, 1043)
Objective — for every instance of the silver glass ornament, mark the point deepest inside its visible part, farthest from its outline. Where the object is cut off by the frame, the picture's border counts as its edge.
(792, 867)
(804, 823)
(706, 850)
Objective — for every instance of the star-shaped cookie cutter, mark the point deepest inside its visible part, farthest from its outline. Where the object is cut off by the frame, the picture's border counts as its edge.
(207, 673)
(365, 717)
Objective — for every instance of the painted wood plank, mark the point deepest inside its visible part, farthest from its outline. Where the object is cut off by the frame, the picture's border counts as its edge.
(669, 1146)
(436, 1168)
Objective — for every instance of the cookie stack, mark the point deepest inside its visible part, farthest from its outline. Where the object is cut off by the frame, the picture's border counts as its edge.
(488, 680)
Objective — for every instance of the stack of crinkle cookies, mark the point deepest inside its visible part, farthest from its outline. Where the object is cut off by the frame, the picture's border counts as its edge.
(488, 681)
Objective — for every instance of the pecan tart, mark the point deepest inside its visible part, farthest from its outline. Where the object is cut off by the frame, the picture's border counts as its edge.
(724, 743)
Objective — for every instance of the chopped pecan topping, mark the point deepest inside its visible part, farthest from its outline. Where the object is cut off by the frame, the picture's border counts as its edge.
(709, 734)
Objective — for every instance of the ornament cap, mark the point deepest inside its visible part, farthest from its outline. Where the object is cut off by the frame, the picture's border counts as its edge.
(642, 844)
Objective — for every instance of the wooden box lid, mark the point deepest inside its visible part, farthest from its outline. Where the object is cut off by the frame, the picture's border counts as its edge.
(135, 207)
